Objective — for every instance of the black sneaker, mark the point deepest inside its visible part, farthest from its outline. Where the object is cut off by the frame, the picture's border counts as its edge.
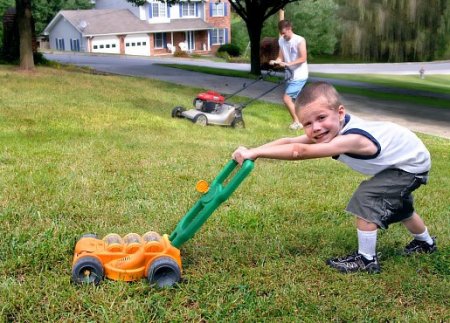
(417, 246)
(355, 262)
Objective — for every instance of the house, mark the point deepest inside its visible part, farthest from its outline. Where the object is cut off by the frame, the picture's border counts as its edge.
(154, 29)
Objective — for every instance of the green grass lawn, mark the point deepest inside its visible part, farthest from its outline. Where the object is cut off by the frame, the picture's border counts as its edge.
(92, 153)
(432, 83)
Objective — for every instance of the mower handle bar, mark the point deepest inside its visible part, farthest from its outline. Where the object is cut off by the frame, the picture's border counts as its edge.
(288, 71)
(210, 201)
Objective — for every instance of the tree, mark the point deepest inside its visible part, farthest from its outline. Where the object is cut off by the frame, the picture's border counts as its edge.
(24, 21)
(254, 13)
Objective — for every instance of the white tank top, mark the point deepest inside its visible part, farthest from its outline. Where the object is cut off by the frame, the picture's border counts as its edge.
(291, 53)
(398, 147)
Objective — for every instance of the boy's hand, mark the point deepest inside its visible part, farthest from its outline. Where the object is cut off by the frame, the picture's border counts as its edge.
(241, 154)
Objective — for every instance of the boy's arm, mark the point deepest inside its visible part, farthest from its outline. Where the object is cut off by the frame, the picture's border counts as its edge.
(355, 144)
(289, 140)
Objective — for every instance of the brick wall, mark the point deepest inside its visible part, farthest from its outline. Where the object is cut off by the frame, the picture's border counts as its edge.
(219, 22)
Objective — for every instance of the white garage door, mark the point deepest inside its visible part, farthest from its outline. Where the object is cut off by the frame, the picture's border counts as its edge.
(109, 45)
(137, 45)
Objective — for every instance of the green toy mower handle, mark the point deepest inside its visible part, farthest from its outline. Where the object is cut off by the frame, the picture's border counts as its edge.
(210, 201)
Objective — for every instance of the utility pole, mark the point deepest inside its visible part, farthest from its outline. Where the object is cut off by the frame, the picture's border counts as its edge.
(281, 15)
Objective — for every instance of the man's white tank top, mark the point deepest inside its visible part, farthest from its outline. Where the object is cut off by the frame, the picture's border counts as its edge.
(291, 53)
(398, 147)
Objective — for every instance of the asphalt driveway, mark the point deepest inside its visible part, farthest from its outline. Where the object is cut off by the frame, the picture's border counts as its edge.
(418, 118)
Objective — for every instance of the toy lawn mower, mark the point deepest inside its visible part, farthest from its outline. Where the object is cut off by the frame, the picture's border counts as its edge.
(151, 255)
(212, 108)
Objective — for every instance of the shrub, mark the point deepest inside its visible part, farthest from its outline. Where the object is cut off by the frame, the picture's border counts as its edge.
(231, 49)
(180, 53)
(223, 55)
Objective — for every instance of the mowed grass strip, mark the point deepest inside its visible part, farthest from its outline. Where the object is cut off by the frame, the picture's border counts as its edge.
(84, 153)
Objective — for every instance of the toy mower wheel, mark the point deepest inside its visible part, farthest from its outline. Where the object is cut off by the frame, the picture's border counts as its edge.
(200, 119)
(238, 123)
(87, 270)
(164, 272)
(177, 111)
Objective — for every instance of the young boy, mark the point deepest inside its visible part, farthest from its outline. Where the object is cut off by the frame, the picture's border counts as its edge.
(395, 157)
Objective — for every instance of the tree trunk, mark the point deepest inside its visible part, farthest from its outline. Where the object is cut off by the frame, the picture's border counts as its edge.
(23, 10)
(254, 29)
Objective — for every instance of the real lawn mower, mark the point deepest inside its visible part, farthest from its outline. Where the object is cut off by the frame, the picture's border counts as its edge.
(151, 255)
(212, 108)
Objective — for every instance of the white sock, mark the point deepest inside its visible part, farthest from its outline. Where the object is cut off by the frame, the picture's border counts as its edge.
(425, 236)
(367, 243)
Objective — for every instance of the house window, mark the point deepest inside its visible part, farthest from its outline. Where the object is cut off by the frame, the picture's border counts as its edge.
(60, 44)
(160, 40)
(102, 46)
(218, 9)
(75, 45)
(95, 46)
(139, 43)
(127, 44)
(113, 45)
(144, 43)
(188, 9)
(218, 36)
(107, 46)
(158, 10)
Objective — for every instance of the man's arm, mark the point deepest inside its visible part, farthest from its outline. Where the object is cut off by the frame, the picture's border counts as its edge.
(303, 55)
(279, 59)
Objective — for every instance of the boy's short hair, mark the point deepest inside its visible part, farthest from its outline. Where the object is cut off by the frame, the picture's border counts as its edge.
(314, 91)
(284, 24)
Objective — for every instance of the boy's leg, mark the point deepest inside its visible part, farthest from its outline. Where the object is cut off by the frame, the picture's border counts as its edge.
(367, 238)
(422, 242)
(365, 258)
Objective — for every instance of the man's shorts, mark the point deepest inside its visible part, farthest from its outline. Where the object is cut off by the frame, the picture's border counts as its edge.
(293, 88)
(386, 197)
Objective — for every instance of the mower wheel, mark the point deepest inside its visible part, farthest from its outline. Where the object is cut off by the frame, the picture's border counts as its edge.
(238, 123)
(164, 272)
(177, 111)
(87, 270)
(200, 119)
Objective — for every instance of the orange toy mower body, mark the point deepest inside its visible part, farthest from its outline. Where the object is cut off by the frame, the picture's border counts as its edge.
(152, 256)
(128, 259)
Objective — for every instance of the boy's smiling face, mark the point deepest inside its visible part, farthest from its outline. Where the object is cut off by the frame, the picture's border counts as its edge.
(320, 121)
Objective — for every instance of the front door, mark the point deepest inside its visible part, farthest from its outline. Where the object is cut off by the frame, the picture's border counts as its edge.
(190, 39)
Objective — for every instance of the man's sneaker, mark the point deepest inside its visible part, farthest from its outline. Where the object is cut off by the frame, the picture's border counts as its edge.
(355, 262)
(295, 126)
(417, 246)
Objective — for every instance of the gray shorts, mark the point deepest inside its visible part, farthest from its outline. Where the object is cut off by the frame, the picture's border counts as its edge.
(386, 197)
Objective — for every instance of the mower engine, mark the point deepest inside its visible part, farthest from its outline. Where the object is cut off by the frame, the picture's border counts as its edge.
(208, 101)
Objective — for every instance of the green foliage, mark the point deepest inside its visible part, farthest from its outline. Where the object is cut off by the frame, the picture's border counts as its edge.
(44, 11)
(316, 20)
(394, 31)
(239, 34)
(4, 5)
(90, 153)
(231, 49)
